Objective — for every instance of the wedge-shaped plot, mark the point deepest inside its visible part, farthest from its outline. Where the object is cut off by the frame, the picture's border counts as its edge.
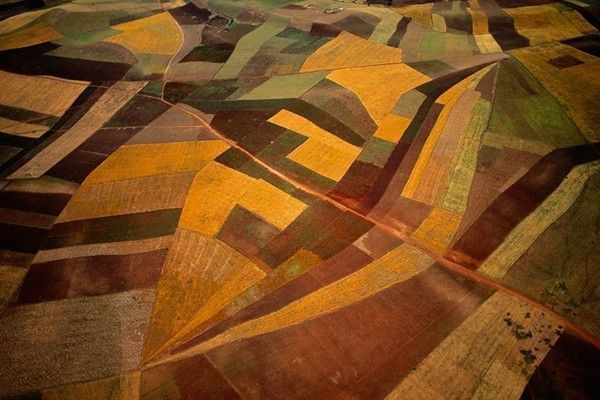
(397, 79)
(347, 50)
(138, 160)
(21, 128)
(128, 196)
(158, 34)
(398, 265)
(35, 34)
(200, 276)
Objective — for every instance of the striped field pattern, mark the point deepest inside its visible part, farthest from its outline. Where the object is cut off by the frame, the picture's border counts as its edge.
(282, 199)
